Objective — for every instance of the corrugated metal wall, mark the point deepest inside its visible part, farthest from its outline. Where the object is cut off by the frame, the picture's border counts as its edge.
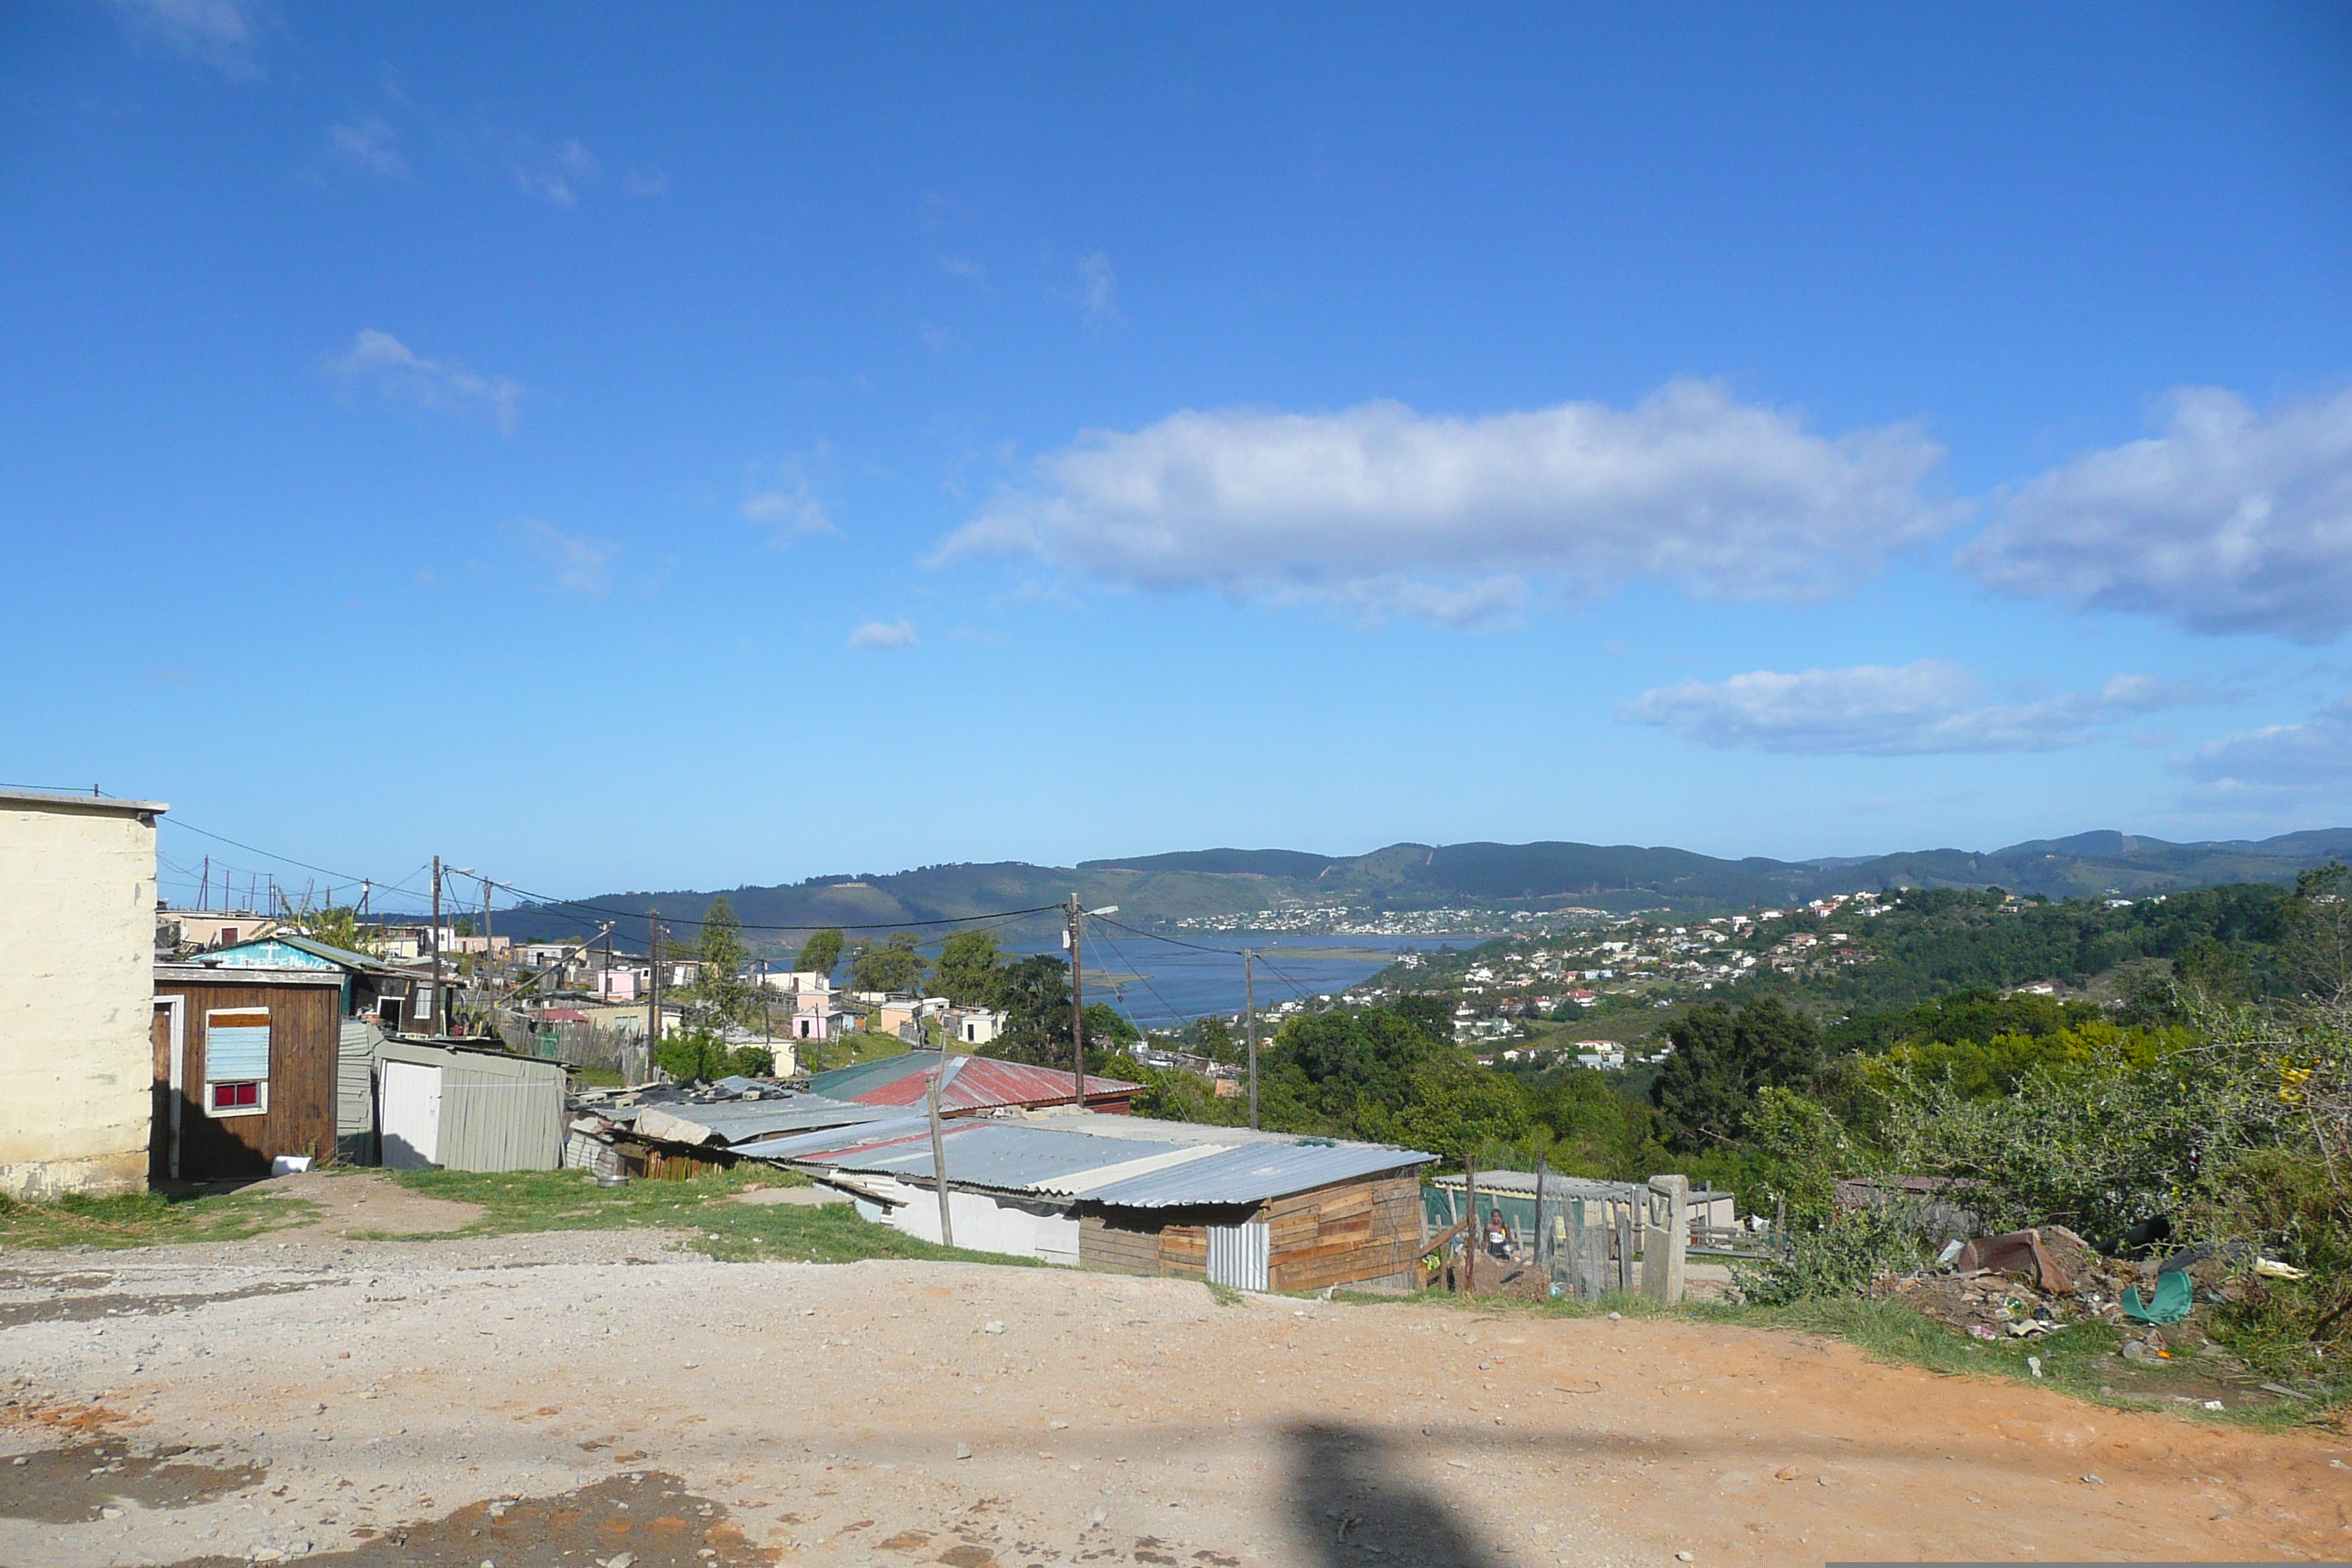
(498, 1113)
(355, 1093)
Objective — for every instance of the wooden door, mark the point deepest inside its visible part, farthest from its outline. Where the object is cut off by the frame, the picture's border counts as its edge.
(161, 1129)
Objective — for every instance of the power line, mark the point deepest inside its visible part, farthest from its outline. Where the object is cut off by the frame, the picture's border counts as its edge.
(1155, 936)
(1127, 964)
(546, 899)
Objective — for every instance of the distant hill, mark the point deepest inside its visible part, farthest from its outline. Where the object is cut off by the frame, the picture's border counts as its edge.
(1162, 888)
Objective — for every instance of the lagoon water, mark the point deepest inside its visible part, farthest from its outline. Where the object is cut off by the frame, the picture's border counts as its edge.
(1179, 985)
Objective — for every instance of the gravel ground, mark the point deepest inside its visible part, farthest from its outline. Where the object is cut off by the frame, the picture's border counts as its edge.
(585, 1397)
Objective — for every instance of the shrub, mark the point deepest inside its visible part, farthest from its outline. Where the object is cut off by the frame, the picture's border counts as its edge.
(1839, 1254)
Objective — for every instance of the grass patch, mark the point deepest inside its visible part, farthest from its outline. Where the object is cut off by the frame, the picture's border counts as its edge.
(702, 1208)
(2080, 1361)
(147, 1219)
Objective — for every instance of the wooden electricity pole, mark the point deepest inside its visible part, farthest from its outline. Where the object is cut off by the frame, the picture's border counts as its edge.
(440, 1002)
(1077, 1015)
(939, 1154)
(1476, 1237)
(653, 989)
(1249, 1013)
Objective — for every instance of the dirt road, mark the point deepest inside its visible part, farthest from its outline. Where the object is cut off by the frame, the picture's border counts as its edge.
(579, 1398)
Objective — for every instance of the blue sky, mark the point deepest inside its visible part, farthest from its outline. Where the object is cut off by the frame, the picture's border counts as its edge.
(626, 448)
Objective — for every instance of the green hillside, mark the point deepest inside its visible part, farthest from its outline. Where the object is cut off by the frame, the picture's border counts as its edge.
(1167, 888)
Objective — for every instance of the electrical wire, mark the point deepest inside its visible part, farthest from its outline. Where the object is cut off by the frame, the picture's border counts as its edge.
(545, 900)
(1125, 964)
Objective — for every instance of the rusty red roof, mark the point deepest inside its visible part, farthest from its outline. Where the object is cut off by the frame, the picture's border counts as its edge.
(974, 1083)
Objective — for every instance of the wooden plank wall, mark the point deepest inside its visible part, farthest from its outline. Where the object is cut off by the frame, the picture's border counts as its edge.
(1346, 1232)
(1338, 1234)
(1125, 1248)
(304, 1030)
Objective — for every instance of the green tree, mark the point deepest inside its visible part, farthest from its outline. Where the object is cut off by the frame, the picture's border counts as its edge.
(971, 971)
(1352, 1064)
(820, 954)
(1213, 1037)
(1108, 1028)
(1036, 1003)
(464, 926)
(892, 965)
(1450, 1108)
(1433, 1015)
(720, 990)
(1706, 1088)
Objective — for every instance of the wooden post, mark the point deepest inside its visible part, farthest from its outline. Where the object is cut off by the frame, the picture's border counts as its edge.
(939, 1155)
(1541, 1165)
(1077, 1015)
(1476, 1237)
(1665, 1238)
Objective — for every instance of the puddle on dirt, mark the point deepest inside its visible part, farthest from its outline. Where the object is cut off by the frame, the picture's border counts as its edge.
(88, 1309)
(70, 1486)
(646, 1515)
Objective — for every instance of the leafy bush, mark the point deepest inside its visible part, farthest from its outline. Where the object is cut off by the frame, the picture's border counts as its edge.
(1837, 1254)
(695, 1053)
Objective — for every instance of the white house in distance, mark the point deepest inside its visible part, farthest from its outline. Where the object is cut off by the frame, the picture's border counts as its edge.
(84, 1053)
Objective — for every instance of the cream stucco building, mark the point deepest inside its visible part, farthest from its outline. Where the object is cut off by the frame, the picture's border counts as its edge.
(77, 993)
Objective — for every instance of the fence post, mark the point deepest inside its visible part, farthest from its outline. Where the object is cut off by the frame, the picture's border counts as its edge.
(1665, 1239)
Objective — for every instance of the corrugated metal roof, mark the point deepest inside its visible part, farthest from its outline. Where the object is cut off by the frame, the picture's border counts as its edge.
(734, 1121)
(342, 957)
(1125, 1170)
(973, 1083)
(1255, 1172)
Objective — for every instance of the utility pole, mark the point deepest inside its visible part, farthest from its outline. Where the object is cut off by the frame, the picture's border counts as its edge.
(653, 988)
(939, 1154)
(1249, 1008)
(1077, 1015)
(440, 1002)
(486, 916)
(204, 892)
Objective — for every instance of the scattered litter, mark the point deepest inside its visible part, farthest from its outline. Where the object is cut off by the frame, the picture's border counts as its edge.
(994, 1327)
(2282, 1388)
(1790, 1474)
(2215, 1404)
(2175, 1291)
(2271, 1268)
(1681, 1557)
(964, 1450)
(2093, 1481)
(2033, 1364)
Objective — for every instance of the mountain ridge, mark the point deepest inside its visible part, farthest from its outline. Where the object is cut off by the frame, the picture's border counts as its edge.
(1162, 888)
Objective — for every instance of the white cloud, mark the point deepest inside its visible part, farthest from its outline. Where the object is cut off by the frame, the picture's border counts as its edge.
(1098, 284)
(368, 144)
(223, 34)
(1872, 710)
(792, 510)
(1725, 500)
(646, 180)
(2229, 522)
(577, 563)
(442, 385)
(555, 175)
(883, 633)
(2280, 762)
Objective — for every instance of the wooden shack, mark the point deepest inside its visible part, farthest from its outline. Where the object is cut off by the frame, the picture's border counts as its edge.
(244, 1070)
(1350, 1232)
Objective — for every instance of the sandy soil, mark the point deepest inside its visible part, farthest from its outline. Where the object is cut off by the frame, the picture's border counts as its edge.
(573, 1399)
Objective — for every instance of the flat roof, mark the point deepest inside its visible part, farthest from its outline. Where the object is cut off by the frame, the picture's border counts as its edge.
(57, 800)
(229, 974)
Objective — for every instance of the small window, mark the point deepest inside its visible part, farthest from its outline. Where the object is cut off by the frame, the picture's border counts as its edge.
(237, 1061)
